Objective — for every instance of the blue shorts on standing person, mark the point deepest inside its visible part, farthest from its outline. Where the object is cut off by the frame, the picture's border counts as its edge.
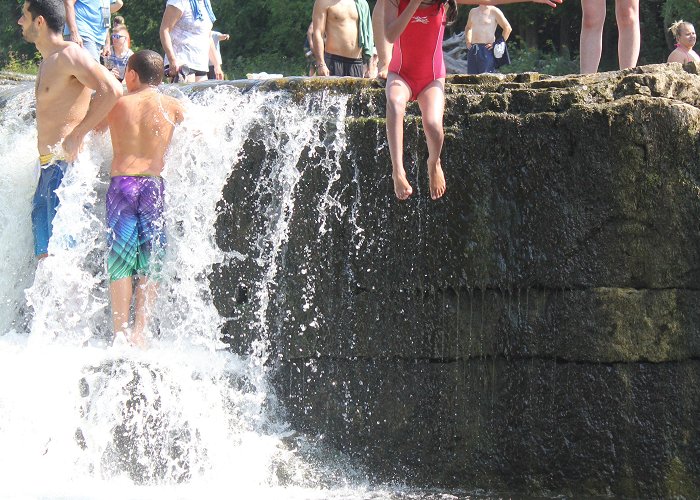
(45, 203)
(480, 59)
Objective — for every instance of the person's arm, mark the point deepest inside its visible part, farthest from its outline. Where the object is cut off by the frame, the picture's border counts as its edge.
(310, 36)
(504, 24)
(107, 91)
(70, 22)
(394, 24)
(115, 5)
(214, 58)
(551, 3)
(318, 19)
(676, 56)
(170, 18)
(468, 31)
(107, 47)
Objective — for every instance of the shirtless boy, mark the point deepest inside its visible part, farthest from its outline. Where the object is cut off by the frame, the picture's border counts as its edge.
(65, 113)
(141, 125)
(480, 35)
(341, 52)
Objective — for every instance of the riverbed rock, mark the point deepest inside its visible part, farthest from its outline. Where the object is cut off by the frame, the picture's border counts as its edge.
(533, 332)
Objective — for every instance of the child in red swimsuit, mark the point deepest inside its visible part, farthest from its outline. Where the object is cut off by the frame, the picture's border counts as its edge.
(417, 73)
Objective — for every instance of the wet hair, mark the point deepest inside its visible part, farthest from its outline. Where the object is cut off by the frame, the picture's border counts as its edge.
(53, 12)
(118, 21)
(148, 65)
(675, 28)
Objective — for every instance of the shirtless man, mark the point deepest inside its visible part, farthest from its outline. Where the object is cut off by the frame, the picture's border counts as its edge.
(480, 35)
(341, 52)
(65, 113)
(141, 125)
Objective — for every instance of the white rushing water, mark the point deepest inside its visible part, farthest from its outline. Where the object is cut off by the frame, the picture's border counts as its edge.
(80, 417)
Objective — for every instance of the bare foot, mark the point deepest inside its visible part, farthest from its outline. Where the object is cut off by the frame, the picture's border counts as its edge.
(137, 339)
(401, 186)
(437, 179)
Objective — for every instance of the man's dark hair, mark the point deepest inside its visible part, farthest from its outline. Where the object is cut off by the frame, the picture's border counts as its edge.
(148, 65)
(53, 11)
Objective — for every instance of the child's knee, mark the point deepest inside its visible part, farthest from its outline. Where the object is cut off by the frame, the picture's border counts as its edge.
(593, 18)
(396, 103)
(627, 16)
(433, 128)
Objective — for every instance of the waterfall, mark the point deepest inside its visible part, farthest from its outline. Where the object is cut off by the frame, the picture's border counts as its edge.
(80, 416)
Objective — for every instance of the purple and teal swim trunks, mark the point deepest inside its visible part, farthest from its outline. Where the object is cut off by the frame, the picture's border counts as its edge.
(45, 203)
(136, 226)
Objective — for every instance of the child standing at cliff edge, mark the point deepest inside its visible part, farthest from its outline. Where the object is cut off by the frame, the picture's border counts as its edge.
(417, 73)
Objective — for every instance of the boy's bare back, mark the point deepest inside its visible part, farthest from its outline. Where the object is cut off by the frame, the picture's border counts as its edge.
(141, 125)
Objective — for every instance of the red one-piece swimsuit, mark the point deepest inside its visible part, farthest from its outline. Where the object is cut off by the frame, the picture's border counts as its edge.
(417, 56)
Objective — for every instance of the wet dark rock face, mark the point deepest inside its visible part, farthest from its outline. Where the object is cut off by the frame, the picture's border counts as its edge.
(535, 331)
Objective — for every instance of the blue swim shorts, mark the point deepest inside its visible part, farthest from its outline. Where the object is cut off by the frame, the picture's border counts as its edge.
(45, 203)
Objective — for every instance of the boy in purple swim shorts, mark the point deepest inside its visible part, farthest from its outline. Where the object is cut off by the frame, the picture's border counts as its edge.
(141, 125)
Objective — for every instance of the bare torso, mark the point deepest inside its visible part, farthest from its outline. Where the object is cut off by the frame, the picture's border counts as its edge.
(484, 24)
(141, 125)
(683, 55)
(341, 29)
(61, 100)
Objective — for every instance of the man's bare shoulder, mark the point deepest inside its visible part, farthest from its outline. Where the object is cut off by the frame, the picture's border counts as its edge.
(73, 56)
(174, 106)
(323, 4)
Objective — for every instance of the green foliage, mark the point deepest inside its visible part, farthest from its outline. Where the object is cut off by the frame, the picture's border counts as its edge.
(548, 62)
(13, 49)
(143, 18)
(18, 63)
(673, 10)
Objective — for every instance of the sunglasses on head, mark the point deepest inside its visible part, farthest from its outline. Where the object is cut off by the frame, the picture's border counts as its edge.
(118, 36)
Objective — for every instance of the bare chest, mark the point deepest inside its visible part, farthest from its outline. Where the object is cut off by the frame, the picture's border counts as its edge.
(343, 11)
(485, 19)
(58, 89)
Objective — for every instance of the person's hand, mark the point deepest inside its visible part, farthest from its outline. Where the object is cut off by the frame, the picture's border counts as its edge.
(115, 72)
(173, 68)
(489, 45)
(469, 46)
(226, 36)
(72, 144)
(322, 70)
(75, 37)
(218, 72)
(551, 3)
(106, 51)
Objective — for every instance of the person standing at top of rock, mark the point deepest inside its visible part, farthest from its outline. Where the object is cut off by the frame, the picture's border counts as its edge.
(343, 38)
(185, 33)
(417, 73)
(684, 34)
(480, 36)
(591, 43)
(87, 23)
(66, 109)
